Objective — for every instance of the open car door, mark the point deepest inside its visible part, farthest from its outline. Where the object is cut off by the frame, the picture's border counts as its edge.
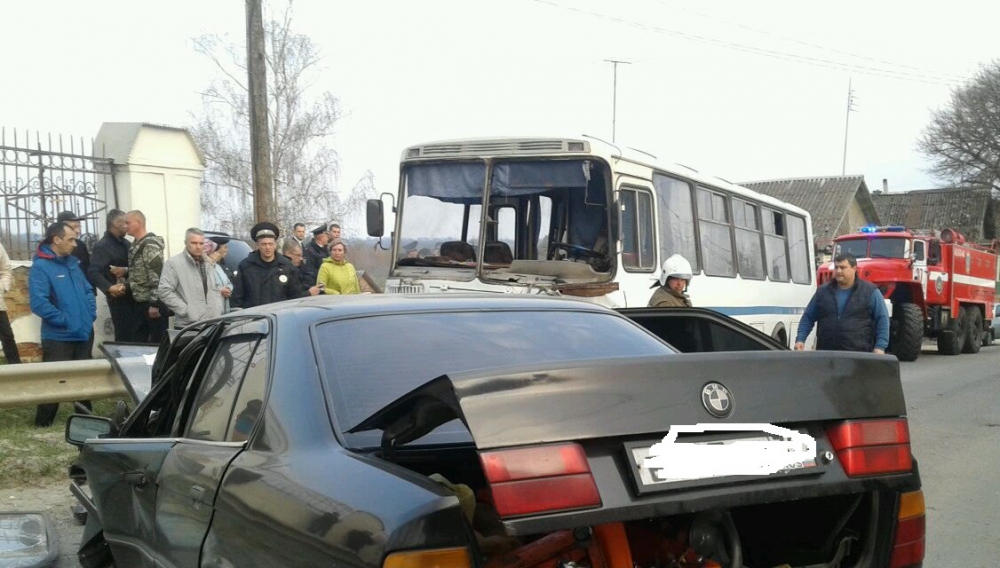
(122, 471)
(134, 364)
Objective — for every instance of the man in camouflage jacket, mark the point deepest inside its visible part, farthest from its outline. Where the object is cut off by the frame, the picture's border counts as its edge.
(145, 263)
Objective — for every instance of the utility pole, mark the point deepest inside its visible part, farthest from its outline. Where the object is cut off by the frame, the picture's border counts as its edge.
(614, 94)
(260, 142)
(847, 125)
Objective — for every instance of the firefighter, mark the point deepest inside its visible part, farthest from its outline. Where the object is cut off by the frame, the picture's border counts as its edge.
(672, 286)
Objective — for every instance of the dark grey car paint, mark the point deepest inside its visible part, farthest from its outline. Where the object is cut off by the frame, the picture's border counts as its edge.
(294, 496)
(628, 397)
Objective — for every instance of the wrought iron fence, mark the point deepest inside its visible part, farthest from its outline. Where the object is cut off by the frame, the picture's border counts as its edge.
(40, 178)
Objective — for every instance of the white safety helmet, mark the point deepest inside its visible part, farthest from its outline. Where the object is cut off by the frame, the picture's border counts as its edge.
(675, 267)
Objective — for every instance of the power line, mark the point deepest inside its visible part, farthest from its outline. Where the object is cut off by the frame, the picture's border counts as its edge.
(946, 76)
(806, 60)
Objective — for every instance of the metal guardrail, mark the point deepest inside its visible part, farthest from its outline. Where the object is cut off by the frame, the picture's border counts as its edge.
(60, 381)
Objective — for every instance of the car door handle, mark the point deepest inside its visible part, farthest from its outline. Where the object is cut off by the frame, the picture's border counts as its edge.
(135, 478)
(196, 493)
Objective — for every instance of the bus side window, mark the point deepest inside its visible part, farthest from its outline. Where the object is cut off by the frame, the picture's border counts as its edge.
(750, 257)
(716, 233)
(798, 250)
(675, 219)
(775, 251)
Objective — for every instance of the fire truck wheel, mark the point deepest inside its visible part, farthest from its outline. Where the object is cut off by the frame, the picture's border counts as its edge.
(974, 336)
(951, 339)
(988, 337)
(905, 343)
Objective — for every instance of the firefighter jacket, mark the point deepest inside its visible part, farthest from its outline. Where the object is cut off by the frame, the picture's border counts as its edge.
(664, 297)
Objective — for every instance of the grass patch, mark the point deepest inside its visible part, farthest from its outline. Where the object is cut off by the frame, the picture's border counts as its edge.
(30, 455)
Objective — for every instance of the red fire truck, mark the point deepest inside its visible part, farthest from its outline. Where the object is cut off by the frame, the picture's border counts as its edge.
(935, 284)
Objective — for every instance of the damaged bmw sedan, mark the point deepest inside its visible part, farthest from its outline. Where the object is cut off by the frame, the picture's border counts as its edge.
(392, 431)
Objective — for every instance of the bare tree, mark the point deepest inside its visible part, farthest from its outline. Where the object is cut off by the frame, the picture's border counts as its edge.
(304, 168)
(963, 139)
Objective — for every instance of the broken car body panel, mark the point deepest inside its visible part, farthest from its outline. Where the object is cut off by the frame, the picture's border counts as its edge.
(244, 452)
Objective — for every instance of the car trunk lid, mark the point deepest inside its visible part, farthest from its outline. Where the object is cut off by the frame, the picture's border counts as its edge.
(622, 397)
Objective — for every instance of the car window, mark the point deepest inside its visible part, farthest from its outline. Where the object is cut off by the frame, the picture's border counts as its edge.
(213, 407)
(369, 362)
(250, 401)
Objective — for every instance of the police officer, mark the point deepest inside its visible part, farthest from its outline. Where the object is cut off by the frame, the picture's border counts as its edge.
(673, 284)
(265, 276)
(314, 253)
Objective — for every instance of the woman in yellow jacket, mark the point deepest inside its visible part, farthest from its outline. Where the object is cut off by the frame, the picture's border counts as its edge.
(336, 274)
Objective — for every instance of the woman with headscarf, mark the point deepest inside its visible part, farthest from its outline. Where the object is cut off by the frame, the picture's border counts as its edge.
(336, 274)
(216, 247)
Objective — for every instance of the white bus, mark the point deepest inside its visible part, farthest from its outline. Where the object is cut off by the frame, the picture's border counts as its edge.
(534, 215)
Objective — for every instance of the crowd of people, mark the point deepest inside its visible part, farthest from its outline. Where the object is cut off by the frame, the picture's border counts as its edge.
(144, 289)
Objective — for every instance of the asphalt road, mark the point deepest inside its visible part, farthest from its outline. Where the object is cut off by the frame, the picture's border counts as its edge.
(954, 417)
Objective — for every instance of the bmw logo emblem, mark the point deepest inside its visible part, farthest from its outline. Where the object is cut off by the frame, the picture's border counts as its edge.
(717, 399)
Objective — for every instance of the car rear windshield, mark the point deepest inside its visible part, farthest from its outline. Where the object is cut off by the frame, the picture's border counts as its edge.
(369, 362)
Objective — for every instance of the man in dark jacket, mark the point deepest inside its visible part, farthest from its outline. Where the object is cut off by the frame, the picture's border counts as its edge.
(62, 297)
(315, 253)
(293, 252)
(107, 272)
(850, 313)
(265, 276)
(72, 220)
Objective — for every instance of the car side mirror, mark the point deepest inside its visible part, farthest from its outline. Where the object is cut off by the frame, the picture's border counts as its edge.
(375, 217)
(81, 427)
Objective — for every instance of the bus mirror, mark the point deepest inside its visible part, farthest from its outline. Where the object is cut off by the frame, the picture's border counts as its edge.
(375, 217)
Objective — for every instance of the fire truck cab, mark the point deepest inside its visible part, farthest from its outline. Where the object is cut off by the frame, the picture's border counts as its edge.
(935, 285)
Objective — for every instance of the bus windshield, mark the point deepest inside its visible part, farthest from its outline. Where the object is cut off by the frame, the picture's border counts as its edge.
(539, 217)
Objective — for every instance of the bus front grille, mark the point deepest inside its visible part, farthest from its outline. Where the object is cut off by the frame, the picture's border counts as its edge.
(405, 289)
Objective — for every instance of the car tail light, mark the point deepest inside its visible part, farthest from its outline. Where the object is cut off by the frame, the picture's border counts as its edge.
(872, 447)
(909, 543)
(539, 479)
(435, 558)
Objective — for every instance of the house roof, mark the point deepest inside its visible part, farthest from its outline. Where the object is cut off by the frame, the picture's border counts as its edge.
(826, 199)
(969, 210)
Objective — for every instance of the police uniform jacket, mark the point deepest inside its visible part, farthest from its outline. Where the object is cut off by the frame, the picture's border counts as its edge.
(258, 282)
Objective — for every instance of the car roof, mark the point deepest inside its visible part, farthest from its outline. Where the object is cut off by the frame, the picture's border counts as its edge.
(328, 306)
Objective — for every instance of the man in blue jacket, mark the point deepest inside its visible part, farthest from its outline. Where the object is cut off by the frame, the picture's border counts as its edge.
(64, 300)
(849, 312)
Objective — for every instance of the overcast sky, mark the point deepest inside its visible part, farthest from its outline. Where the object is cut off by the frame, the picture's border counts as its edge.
(743, 90)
